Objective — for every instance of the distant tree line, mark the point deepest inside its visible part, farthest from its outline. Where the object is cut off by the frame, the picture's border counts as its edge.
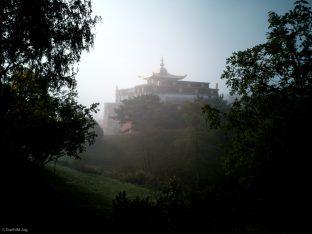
(148, 113)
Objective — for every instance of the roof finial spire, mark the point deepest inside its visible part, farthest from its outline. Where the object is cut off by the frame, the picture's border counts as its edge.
(162, 62)
(163, 70)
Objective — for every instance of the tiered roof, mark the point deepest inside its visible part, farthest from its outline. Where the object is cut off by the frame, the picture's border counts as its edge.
(163, 74)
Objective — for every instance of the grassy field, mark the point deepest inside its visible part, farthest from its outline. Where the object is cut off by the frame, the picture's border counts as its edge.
(66, 201)
(96, 190)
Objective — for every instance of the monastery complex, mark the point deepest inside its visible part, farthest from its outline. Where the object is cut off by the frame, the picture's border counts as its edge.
(168, 87)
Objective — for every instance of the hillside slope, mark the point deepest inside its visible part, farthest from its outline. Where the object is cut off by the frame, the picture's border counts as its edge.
(64, 201)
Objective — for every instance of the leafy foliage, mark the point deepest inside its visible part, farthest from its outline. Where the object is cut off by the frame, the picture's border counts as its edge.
(40, 43)
(147, 113)
(46, 36)
(137, 215)
(270, 120)
(42, 127)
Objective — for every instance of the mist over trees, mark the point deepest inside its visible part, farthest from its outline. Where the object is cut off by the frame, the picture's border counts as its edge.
(166, 140)
(146, 113)
(213, 166)
(40, 44)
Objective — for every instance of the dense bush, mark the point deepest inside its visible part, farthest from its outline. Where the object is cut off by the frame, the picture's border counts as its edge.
(137, 216)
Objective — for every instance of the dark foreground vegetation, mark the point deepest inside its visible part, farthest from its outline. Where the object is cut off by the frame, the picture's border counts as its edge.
(41, 202)
(219, 168)
(191, 190)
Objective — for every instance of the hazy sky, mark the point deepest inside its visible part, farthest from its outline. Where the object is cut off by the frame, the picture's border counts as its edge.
(194, 37)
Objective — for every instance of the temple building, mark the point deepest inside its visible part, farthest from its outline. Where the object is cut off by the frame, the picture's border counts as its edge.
(168, 87)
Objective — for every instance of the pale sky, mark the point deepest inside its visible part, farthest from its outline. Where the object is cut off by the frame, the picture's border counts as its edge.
(194, 37)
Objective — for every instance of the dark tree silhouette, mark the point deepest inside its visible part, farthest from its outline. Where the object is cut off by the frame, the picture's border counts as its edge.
(272, 117)
(40, 43)
(270, 122)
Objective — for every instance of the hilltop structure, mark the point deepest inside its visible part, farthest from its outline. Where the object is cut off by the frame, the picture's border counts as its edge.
(168, 87)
